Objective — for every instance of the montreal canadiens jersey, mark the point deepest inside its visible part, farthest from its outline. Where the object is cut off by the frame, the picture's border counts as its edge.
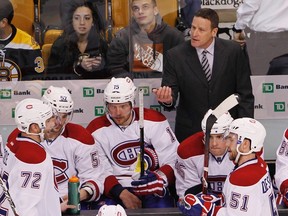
(189, 166)
(74, 153)
(119, 146)
(27, 170)
(248, 191)
(22, 57)
(281, 174)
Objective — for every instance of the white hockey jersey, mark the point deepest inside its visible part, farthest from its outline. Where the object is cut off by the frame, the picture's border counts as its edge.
(248, 191)
(190, 166)
(119, 146)
(27, 170)
(74, 153)
(281, 174)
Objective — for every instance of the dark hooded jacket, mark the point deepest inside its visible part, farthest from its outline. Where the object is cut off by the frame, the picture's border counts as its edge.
(146, 51)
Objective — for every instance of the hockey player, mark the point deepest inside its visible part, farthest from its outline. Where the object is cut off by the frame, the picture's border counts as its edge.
(248, 189)
(19, 52)
(281, 174)
(73, 150)
(117, 134)
(190, 159)
(27, 168)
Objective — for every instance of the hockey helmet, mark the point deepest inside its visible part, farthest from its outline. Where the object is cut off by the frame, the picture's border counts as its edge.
(251, 129)
(30, 111)
(220, 126)
(120, 90)
(59, 98)
(111, 210)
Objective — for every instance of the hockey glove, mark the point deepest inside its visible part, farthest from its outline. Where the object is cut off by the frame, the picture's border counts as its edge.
(149, 183)
(199, 204)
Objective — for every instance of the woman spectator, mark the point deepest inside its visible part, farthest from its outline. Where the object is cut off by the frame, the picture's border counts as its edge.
(80, 52)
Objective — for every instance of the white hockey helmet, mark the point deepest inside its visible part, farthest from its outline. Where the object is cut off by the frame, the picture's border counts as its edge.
(111, 210)
(31, 110)
(220, 126)
(120, 90)
(59, 98)
(251, 129)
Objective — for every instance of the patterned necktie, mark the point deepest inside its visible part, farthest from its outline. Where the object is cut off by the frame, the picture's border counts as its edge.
(205, 66)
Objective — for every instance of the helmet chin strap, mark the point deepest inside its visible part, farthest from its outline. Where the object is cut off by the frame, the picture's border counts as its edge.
(41, 134)
(240, 153)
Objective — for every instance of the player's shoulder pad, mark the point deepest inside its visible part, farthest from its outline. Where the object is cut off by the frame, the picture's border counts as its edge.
(249, 175)
(191, 146)
(150, 115)
(77, 132)
(27, 152)
(98, 123)
(13, 135)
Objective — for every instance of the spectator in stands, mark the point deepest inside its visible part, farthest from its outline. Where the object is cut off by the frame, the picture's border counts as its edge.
(80, 52)
(140, 48)
(117, 135)
(20, 54)
(266, 31)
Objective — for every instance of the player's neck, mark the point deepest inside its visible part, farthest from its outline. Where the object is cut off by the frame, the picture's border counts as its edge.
(31, 136)
(245, 158)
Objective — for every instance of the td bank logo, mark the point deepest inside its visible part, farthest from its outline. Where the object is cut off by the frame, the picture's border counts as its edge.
(43, 91)
(279, 106)
(13, 112)
(5, 94)
(88, 92)
(145, 89)
(99, 110)
(268, 88)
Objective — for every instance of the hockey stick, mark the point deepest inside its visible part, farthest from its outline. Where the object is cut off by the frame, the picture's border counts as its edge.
(141, 127)
(36, 23)
(8, 196)
(225, 106)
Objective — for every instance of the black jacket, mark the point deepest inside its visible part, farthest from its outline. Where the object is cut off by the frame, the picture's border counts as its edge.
(230, 74)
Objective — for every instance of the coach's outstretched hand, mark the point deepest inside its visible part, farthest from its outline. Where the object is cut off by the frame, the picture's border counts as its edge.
(199, 204)
(149, 183)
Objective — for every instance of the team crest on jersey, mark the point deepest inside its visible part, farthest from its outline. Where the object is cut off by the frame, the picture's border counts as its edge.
(60, 168)
(125, 154)
(9, 70)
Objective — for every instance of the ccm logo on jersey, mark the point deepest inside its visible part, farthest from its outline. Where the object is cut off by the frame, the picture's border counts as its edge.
(125, 154)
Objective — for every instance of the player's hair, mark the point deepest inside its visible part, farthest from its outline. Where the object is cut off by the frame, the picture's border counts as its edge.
(153, 2)
(6, 10)
(210, 14)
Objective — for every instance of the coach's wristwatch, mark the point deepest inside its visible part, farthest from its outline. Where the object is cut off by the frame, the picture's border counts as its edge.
(236, 30)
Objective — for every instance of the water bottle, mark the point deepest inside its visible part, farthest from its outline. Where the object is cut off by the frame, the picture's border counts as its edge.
(74, 195)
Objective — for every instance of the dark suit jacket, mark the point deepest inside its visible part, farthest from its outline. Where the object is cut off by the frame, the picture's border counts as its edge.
(184, 74)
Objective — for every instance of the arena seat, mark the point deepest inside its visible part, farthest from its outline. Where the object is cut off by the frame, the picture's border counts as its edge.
(24, 16)
(49, 37)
